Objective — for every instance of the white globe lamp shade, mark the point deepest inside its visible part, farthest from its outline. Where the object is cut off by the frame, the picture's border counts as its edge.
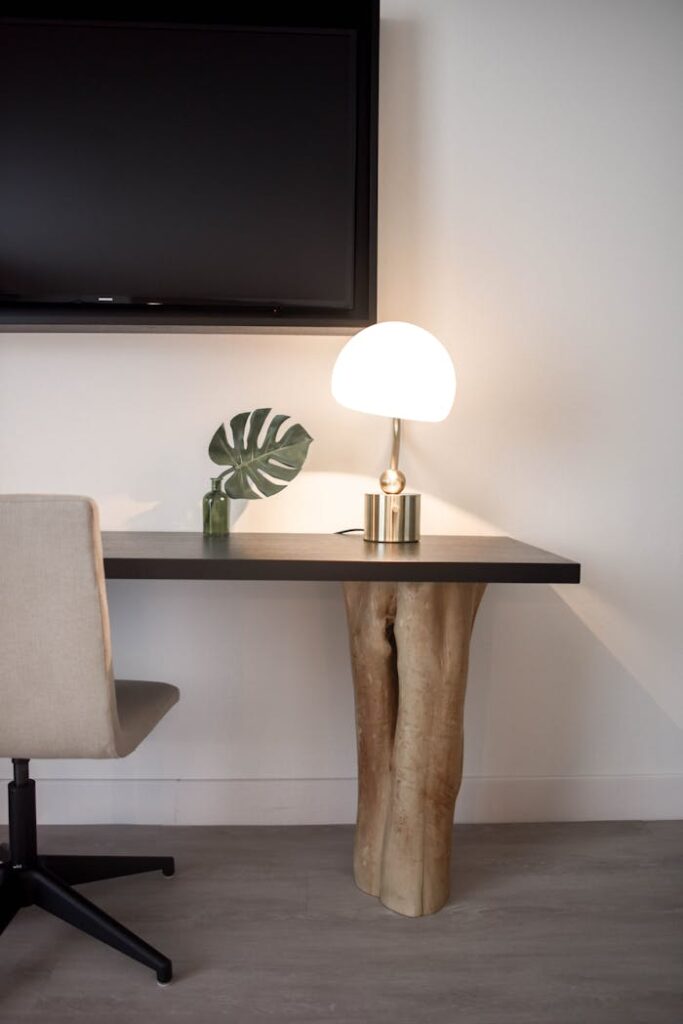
(395, 369)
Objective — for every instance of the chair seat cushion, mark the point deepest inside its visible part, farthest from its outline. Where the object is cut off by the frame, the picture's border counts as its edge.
(140, 706)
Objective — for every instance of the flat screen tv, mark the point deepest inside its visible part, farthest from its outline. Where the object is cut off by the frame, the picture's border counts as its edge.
(190, 171)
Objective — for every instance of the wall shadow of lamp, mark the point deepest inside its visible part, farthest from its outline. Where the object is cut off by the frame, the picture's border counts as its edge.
(257, 467)
(402, 371)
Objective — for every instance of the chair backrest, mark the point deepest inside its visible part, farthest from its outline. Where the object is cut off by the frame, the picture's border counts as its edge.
(57, 693)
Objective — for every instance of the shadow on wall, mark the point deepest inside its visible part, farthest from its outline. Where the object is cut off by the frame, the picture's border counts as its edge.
(545, 689)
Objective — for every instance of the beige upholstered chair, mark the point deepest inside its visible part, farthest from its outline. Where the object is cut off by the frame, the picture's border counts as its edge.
(59, 699)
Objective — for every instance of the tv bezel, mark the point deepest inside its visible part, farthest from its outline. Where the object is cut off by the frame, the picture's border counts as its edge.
(361, 16)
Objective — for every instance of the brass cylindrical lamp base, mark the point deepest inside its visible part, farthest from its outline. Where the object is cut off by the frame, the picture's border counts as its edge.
(392, 518)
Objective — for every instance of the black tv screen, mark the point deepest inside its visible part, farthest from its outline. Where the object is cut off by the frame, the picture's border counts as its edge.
(192, 171)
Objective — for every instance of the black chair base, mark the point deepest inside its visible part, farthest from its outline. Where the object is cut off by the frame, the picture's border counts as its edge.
(29, 879)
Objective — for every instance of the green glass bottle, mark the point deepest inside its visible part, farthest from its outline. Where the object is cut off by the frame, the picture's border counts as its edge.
(216, 509)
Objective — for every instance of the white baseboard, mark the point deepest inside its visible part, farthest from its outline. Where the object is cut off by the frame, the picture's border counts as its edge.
(333, 801)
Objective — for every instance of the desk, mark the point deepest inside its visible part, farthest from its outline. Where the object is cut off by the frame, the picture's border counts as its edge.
(410, 611)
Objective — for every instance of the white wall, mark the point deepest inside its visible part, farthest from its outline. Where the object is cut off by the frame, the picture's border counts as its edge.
(531, 216)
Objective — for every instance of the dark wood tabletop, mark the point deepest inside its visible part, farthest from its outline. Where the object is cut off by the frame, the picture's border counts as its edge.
(322, 556)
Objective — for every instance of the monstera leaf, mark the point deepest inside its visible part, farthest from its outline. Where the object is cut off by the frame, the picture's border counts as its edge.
(254, 468)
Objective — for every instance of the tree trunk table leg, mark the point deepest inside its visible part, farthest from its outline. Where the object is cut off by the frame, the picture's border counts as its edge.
(409, 654)
(370, 610)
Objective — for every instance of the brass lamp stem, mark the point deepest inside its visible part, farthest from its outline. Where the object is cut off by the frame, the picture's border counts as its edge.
(392, 480)
(396, 446)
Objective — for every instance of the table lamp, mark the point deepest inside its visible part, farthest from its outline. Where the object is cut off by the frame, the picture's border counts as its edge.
(402, 371)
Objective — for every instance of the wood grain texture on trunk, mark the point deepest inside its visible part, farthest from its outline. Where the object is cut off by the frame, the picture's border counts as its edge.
(409, 654)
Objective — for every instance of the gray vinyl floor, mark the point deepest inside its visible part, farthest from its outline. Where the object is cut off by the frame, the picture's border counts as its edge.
(551, 924)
